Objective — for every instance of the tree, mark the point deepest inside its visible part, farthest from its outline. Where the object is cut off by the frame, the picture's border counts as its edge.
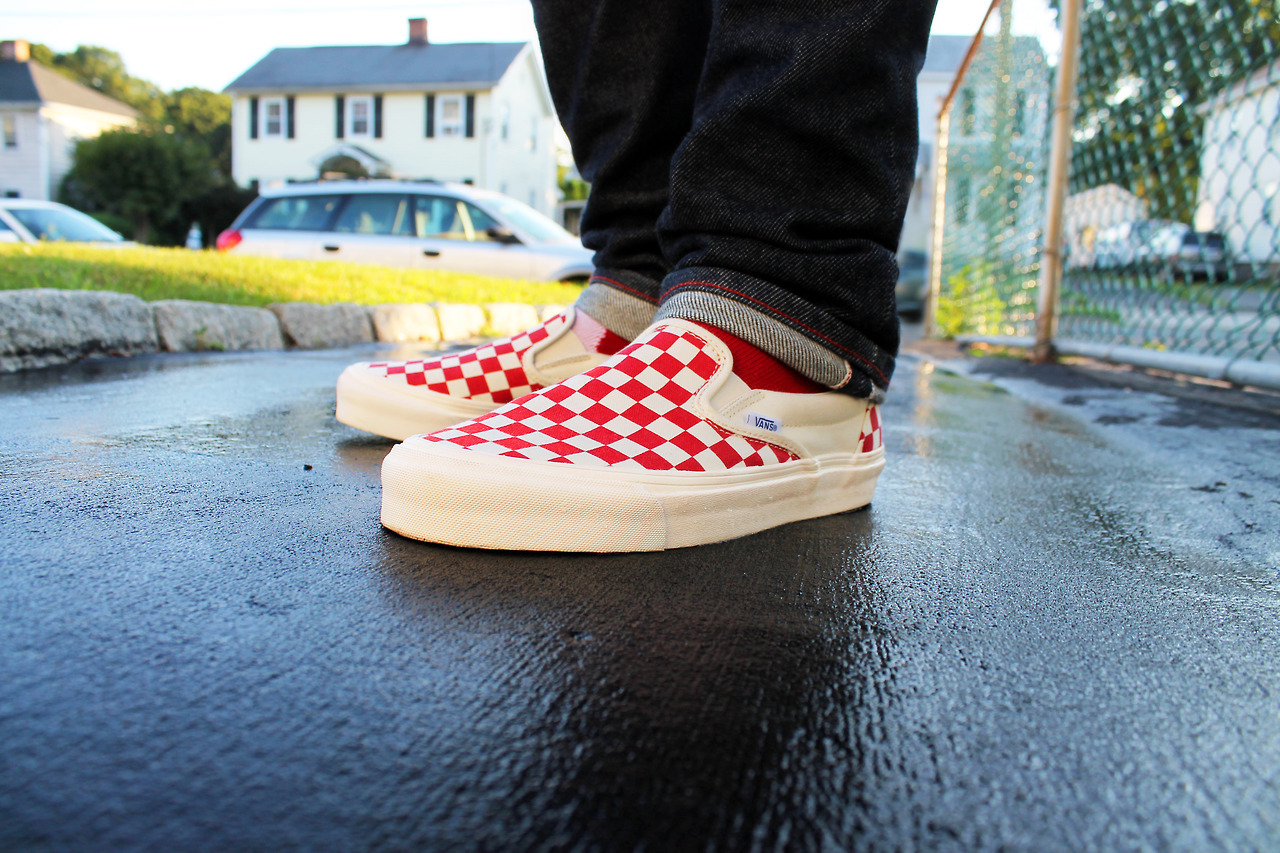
(104, 71)
(1145, 69)
(175, 170)
(196, 113)
(144, 176)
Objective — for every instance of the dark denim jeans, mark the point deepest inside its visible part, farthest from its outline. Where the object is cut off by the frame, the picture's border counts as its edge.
(750, 163)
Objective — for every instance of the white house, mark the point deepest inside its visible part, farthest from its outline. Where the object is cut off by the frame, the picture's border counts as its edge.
(996, 148)
(942, 61)
(42, 115)
(1239, 192)
(476, 113)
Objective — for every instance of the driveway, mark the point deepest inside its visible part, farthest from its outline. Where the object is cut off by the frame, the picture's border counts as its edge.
(1057, 627)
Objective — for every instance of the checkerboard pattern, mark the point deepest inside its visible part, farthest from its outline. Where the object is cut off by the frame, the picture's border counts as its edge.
(627, 413)
(871, 436)
(492, 373)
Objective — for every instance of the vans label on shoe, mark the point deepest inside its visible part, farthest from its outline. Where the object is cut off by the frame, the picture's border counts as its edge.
(761, 422)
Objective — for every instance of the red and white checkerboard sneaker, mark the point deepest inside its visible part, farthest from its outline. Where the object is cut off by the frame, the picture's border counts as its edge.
(662, 446)
(397, 399)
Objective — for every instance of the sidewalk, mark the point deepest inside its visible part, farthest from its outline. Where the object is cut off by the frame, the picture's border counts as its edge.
(1057, 627)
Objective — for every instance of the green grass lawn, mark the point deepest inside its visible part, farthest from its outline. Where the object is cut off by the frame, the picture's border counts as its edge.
(155, 274)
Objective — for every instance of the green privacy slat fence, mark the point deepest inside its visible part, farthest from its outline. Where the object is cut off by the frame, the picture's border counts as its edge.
(1172, 213)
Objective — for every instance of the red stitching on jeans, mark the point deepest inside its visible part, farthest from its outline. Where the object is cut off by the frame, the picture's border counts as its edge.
(773, 310)
(622, 286)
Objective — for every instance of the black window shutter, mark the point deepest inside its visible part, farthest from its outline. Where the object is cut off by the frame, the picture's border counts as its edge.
(340, 104)
(253, 118)
(471, 116)
(431, 116)
(288, 117)
(377, 116)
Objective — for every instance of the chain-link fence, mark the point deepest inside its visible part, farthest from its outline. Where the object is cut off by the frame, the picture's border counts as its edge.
(1171, 216)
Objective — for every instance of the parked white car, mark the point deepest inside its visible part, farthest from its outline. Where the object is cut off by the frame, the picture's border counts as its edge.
(418, 224)
(30, 221)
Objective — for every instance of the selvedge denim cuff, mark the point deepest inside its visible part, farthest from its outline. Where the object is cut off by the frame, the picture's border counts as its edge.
(622, 303)
(850, 363)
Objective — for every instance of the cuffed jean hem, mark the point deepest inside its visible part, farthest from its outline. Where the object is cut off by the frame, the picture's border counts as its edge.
(850, 363)
(623, 303)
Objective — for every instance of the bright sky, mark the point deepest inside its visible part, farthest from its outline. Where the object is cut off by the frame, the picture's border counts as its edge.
(210, 44)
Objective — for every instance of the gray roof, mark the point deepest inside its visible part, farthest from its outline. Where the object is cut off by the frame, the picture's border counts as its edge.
(31, 82)
(946, 53)
(387, 67)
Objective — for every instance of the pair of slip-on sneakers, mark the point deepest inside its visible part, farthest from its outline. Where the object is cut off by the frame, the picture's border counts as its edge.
(535, 442)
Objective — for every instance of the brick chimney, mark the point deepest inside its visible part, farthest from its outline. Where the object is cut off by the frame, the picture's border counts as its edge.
(417, 31)
(20, 51)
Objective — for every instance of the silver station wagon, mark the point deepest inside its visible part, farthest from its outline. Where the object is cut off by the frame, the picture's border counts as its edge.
(418, 224)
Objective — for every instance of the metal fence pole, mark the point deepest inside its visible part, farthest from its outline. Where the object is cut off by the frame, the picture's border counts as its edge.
(939, 224)
(1059, 169)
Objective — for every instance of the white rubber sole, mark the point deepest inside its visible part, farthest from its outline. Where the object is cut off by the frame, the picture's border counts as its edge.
(435, 492)
(397, 411)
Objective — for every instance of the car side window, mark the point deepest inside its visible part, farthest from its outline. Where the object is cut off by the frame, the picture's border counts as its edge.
(4, 226)
(439, 217)
(375, 213)
(295, 213)
(481, 222)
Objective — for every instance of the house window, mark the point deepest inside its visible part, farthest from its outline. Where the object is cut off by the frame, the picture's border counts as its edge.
(533, 134)
(273, 117)
(360, 116)
(451, 118)
(9, 129)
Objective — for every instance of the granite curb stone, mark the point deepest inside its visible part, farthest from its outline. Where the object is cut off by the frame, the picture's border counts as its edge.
(48, 326)
(459, 322)
(510, 318)
(406, 322)
(44, 326)
(309, 326)
(184, 325)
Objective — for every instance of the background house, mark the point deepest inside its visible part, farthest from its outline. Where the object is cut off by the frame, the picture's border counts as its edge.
(42, 115)
(997, 148)
(945, 53)
(1239, 192)
(477, 113)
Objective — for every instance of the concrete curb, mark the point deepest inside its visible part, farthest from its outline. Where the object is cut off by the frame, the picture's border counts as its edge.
(44, 327)
(1240, 371)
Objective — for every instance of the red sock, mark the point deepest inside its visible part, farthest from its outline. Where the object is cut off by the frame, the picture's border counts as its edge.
(762, 371)
(594, 336)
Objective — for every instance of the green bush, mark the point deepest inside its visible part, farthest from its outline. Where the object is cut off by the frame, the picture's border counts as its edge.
(969, 303)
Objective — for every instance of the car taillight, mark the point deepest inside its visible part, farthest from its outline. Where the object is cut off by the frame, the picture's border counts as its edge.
(228, 240)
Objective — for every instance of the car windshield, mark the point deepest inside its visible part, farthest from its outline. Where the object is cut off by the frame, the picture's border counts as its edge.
(55, 223)
(527, 219)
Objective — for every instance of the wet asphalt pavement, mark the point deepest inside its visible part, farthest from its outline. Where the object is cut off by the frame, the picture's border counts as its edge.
(1057, 628)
